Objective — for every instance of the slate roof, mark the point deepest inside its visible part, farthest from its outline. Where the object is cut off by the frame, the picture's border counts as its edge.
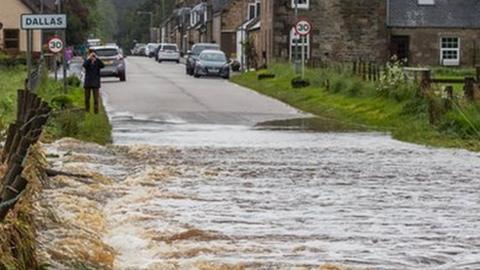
(217, 5)
(444, 13)
(34, 5)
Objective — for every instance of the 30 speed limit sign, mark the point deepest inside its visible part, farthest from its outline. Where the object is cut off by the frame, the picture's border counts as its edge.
(303, 27)
(55, 45)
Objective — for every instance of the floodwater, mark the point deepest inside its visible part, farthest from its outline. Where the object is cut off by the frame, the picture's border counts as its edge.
(234, 197)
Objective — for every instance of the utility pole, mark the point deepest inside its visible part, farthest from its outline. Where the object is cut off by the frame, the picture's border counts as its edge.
(295, 55)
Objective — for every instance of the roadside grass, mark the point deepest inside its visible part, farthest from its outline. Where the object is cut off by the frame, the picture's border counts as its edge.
(398, 111)
(11, 79)
(69, 119)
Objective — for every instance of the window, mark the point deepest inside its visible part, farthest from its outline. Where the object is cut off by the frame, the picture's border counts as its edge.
(251, 11)
(450, 51)
(254, 9)
(194, 18)
(301, 42)
(426, 2)
(303, 4)
(11, 39)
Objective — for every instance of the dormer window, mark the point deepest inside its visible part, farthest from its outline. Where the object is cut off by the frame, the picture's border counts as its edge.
(254, 9)
(302, 4)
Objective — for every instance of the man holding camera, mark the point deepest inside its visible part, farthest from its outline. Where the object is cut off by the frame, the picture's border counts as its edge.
(92, 80)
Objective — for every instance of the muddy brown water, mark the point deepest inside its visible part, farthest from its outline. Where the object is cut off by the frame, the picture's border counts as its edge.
(220, 197)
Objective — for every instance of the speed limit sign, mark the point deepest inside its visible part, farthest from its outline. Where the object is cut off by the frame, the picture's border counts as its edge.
(303, 27)
(55, 45)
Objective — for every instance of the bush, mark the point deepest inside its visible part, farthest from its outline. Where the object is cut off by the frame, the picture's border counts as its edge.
(235, 65)
(74, 81)
(393, 83)
(265, 75)
(298, 82)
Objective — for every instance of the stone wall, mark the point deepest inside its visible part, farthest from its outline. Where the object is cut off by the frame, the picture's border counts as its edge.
(344, 30)
(425, 44)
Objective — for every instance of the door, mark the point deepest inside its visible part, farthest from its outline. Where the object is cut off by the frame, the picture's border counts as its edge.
(229, 43)
(400, 47)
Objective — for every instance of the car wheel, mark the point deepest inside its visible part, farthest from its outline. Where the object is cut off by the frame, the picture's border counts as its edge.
(196, 75)
(178, 61)
(159, 60)
(123, 77)
(226, 76)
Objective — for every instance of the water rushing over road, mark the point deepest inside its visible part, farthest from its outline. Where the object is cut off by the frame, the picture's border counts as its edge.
(191, 185)
(288, 199)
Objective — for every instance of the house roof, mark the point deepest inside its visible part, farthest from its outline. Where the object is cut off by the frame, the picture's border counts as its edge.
(35, 5)
(443, 13)
(218, 5)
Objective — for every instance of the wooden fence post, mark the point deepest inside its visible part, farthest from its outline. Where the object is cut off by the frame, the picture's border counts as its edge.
(469, 88)
(425, 81)
(448, 101)
(478, 73)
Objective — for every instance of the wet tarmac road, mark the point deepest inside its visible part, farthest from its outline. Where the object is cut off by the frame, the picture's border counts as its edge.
(164, 93)
(230, 193)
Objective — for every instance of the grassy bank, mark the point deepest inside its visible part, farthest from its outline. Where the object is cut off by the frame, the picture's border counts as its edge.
(391, 106)
(68, 119)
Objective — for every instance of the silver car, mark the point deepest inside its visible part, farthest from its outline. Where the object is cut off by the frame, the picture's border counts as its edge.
(112, 57)
(168, 52)
(212, 63)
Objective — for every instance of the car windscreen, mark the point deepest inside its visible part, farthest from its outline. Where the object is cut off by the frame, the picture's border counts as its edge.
(106, 52)
(169, 47)
(213, 57)
(199, 49)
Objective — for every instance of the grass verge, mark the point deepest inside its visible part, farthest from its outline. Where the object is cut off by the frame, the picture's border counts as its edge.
(398, 110)
(68, 120)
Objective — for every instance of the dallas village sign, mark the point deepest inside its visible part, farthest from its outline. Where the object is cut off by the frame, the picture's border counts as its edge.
(43, 21)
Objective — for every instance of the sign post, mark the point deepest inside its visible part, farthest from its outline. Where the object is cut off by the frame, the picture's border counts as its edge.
(303, 27)
(55, 46)
(30, 22)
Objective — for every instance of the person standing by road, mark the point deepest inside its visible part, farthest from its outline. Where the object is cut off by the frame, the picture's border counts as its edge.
(92, 66)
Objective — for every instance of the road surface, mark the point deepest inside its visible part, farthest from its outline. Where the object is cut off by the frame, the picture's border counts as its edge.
(163, 92)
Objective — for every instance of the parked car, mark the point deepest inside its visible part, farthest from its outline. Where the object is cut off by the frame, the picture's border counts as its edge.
(113, 60)
(150, 49)
(212, 63)
(168, 52)
(197, 49)
(136, 49)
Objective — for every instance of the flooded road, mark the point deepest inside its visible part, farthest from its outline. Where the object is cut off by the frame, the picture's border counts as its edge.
(177, 194)
(287, 200)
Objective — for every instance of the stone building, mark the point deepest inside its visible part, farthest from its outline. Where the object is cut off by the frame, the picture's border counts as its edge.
(435, 32)
(343, 30)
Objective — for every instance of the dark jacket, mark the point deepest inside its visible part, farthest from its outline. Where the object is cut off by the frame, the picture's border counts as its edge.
(92, 73)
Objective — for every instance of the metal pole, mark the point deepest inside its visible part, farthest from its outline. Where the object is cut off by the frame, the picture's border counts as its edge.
(41, 32)
(303, 56)
(29, 60)
(64, 62)
(295, 58)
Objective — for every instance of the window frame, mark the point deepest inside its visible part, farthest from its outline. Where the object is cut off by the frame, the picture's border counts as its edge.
(256, 5)
(292, 44)
(450, 61)
(305, 5)
(7, 39)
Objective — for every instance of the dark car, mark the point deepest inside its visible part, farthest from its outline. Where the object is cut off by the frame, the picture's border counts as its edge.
(212, 63)
(193, 54)
(112, 57)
